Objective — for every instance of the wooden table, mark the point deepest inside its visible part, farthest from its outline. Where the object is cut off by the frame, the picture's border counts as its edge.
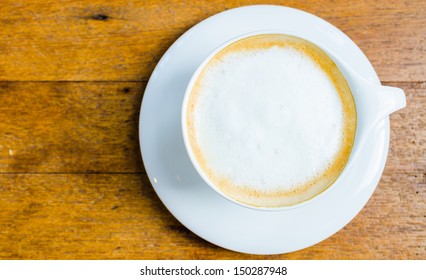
(72, 77)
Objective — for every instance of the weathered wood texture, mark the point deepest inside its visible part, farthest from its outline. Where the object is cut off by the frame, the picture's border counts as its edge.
(70, 127)
(91, 216)
(72, 183)
(93, 127)
(123, 40)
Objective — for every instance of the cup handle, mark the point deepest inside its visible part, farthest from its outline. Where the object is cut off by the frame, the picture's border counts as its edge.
(391, 99)
(378, 102)
(374, 103)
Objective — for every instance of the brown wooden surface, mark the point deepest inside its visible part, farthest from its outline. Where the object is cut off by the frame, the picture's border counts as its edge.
(72, 183)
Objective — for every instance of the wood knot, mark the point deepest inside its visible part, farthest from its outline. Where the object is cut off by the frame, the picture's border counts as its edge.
(100, 17)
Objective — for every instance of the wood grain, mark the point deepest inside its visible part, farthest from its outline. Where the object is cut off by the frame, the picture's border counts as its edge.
(90, 216)
(72, 183)
(70, 127)
(62, 127)
(123, 40)
(92, 127)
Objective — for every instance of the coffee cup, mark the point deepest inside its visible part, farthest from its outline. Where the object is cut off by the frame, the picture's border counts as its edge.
(273, 121)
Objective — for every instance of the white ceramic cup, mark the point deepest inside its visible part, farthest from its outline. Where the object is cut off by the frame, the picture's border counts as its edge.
(373, 103)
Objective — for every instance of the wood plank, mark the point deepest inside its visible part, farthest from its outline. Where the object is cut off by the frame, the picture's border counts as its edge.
(104, 216)
(408, 131)
(93, 127)
(70, 127)
(123, 40)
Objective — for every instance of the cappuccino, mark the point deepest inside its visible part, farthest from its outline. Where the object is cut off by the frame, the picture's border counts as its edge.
(271, 120)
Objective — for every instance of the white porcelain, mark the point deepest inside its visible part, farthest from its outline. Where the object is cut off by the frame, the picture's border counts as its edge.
(373, 102)
(199, 207)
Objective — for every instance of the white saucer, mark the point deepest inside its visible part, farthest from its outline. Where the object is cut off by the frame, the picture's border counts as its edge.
(185, 194)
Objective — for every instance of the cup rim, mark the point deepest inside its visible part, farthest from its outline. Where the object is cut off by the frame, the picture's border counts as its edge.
(188, 148)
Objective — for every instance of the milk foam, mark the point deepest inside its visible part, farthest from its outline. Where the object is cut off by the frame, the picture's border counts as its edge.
(269, 120)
